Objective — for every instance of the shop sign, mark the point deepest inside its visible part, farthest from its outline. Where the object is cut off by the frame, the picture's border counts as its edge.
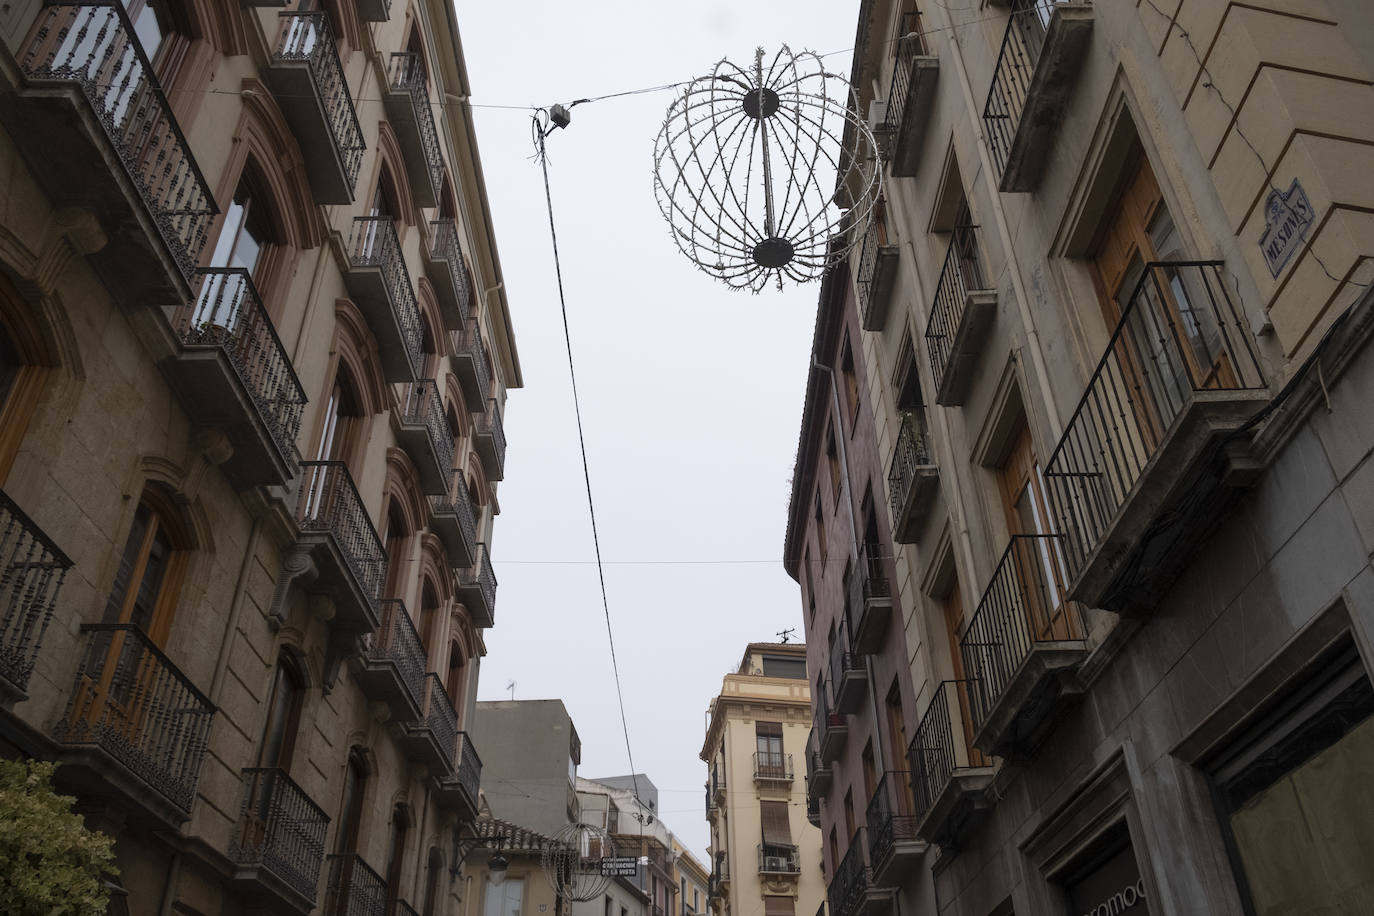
(619, 866)
(1287, 217)
(1112, 888)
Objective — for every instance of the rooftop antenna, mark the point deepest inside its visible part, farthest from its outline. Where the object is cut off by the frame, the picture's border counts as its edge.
(510, 685)
(786, 634)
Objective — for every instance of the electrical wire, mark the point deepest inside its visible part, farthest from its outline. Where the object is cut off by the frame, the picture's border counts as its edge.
(539, 133)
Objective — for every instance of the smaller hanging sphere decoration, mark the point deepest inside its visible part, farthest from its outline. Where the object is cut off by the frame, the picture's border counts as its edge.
(746, 168)
(572, 862)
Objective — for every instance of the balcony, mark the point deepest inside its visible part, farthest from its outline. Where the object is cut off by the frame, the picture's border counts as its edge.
(135, 725)
(477, 590)
(772, 767)
(471, 366)
(489, 437)
(308, 83)
(433, 738)
(719, 884)
(1148, 441)
(813, 809)
(379, 283)
(393, 670)
(877, 272)
(779, 860)
(818, 774)
(1021, 646)
(847, 676)
(894, 849)
(32, 570)
(278, 845)
(455, 523)
(913, 478)
(448, 272)
(960, 318)
(353, 888)
(95, 129)
(832, 730)
(852, 891)
(909, 100)
(408, 109)
(423, 431)
(717, 786)
(232, 374)
(868, 603)
(348, 555)
(949, 776)
(1042, 51)
(459, 790)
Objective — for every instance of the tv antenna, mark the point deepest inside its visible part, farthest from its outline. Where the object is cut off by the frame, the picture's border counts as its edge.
(786, 634)
(510, 685)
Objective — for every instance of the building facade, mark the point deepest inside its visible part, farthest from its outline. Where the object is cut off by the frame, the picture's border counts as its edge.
(517, 885)
(765, 856)
(1115, 314)
(534, 745)
(693, 881)
(255, 350)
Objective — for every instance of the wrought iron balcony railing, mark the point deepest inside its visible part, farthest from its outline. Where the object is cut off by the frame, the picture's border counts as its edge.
(491, 441)
(228, 315)
(136, 707)
(308, 36)
(32, 570)
(818, 772)
(329, 503)
(890, 818)
(850, 883)
(449, 272)
(456, 523)
(772, 766)
(1024, 605)
(471, 365)
(868, 599)
(422, 408)
(718, 780)
(477, 588)
(910, 45)
(469, 769)
(94, 45)
(280, 829)
(910, 476)
(397, 648)
(439, 725)
(832, 731)
(949, 332)
(1011, 78)
(847, 675)
(1179, 339)
(353, 888)
(877, 270)
(779, 860)
(374, 244)
(405, 909)
(408, 75)
(910, 95)
(940, 745)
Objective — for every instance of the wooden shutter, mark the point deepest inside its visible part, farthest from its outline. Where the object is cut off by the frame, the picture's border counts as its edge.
(768, 729)
(776, 829)
(779, 906)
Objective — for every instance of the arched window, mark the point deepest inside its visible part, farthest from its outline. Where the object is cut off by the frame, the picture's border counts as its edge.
(342, 412)
(429, 345)
(394, 543)
(283, 714)
(400, 830)
(351, 809)
(456, 681)
(384, 201)
(429, 617)
(434, 866)
(151, 566)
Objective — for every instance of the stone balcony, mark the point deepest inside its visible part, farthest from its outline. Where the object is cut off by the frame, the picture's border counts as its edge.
(832, 730)
(458, 791)
(949, 776)
(432, 739)
(452, 518)
(868, 602)
(910, 97)
(1042, 51)
(471, 365)
(848, 676)
(877, 272)
(960, 319)
(308, 83)
(489, 438)
(913, 478)
(277, 847)
(1155, 450)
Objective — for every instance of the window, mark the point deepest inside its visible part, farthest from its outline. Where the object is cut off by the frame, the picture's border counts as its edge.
(456, 682)
(870, 770)
(777, 834)
(778, 906)
(507, 898)
(810, 585)
(396, 855)
(784, 666)
(608, 909)
(434, 866)
(907, 380)
(820, 532)
(1038, 560)
(355, 782)
(146, 583)
(851, 381)
(849, 814)
(768, 739)
(832, 460)
(245, 232)
(283, 714)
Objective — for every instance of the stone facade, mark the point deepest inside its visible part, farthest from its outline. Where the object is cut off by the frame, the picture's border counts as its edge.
(255, 351)
(1119, 288)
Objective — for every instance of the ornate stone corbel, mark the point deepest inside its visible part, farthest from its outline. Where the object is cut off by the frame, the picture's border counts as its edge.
(342, 644)
(298, 564)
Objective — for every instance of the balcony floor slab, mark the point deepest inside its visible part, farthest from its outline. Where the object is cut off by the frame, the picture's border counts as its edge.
(979, 310)
(962, 798)
(1029, 697)
(920, 98)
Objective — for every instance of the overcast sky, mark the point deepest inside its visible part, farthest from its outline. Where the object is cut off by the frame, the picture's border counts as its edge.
(691, 392)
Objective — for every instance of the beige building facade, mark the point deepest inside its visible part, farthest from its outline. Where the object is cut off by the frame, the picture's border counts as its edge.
(765, 856)
(1113, 327)
(254, 350)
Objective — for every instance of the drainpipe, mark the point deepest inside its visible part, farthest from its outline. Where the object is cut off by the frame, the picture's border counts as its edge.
(310, 303)
(169, 889)
(235, 609)
(423, 850)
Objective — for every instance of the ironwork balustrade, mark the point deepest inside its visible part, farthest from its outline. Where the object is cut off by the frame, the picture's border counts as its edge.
(489, 426)
(1179, 334)
(307, 35)
(1023, 605)
(329, 502)
(440, 719)
(353, 888)
(130, 701)
(962, 272)
(889, 816)
(481, 578)
(911, 45)
(849, 886)
(444, 246)
(467, 344)
(374, 243)
(396, 643)
(32, 570)
(1011, 79)
(405, 909)
(228, 315)
(867, 581)
(875, 238)
(843, 663)
(408, 75)
(95, 45)
(774, 765)
(940, 745)
(779, 860)
(423, 406)
(469, 768)
(458, 503)
(717, 779)
(280, 829)
(911, 452)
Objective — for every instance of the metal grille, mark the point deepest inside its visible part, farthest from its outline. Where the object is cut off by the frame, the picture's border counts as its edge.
(852, 877)
(328, 502)
(779, 860)
(307, 35)
(374, 244)
(469, 343)
(353, 888)
(772, 765)
(444, 246)
(408, 75)
(424, 407)
(280, 829)
(874, 238)
(940, 745)
(490, 425)
(96, 46)
(1011, 80)
(440, 719)
(396, 643)
(130, 701)
(961, 273)
(911, 452)
(32, 570)
(889, 816)
(911, 45)
(483, 578)
(469, 768)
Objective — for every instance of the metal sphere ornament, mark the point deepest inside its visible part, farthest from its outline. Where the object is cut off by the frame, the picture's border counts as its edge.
(572, 862)
(747, 164)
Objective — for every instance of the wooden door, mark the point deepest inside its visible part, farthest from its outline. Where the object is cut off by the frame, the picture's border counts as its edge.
(953, 607)
(1038, 564)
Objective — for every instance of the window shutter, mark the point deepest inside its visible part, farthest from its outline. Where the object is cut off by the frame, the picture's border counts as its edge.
(776, 829)
(768, 729)
(779, 906)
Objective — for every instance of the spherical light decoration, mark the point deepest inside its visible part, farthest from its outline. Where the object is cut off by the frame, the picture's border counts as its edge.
(746, 170)
(572, 862)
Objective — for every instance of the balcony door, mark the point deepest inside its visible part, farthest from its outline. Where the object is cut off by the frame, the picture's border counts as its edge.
(768, 738)
(1039, 564)
(952, 607)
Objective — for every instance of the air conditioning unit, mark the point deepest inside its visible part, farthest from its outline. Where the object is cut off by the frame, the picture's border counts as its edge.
(877, 114)
(775, 863)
